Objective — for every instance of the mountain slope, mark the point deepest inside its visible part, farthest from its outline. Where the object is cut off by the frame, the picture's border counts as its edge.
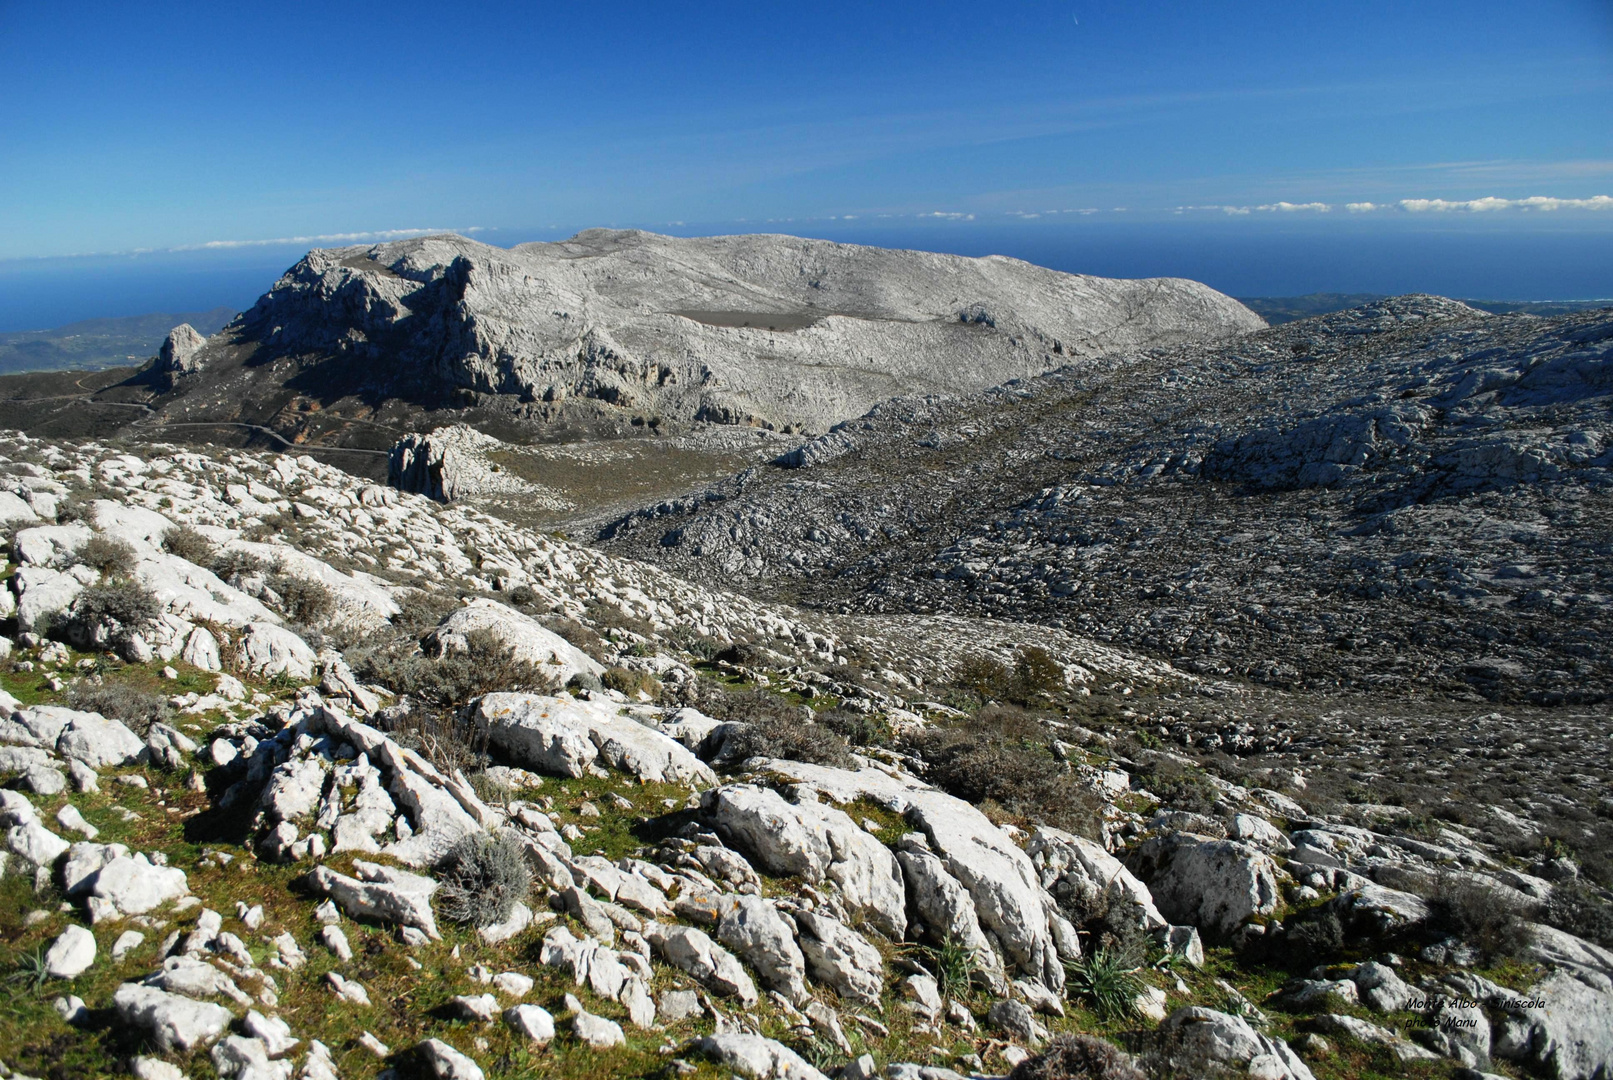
(1412, 495)
(771, 331)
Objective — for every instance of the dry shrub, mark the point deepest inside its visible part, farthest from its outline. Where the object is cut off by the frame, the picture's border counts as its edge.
(1078, 1057)
(188, 544)
(486, 665)
(791, 738)
(1003, 756)
(631, 683)
(137, 708)
(419, 612)
(1580, 910)
(304, 600)
(119, 608)
(112, 557)
(482, 878)
(1480, 915)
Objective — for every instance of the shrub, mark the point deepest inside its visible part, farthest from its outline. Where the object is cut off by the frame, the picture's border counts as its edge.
(631, 683)
(1108, 981)
(117, 608)
(1313, 937)
(791, 738)
(953, 964)
(1078, 1057)
(482, 879)
(1178, 786)
(858, 729)
(112, 557)
(1480, 915)
(487, 664)
(420, 611)
(305, 600)
(139, 709)
(231, 566)
(1004, 757)
(984, 676)
(1581, 911)
(1037, 676)
(188, 544)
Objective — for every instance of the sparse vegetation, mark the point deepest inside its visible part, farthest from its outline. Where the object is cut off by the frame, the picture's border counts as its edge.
(1078, 1057)
(109, 556)
(137, 708)
(1108, 981)
(482, 878)
(116, 609)
(188, 544)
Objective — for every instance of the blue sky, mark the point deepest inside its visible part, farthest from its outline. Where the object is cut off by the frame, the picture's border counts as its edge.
(165, 126)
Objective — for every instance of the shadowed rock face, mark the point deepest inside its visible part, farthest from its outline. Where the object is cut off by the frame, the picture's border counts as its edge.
(766, 330)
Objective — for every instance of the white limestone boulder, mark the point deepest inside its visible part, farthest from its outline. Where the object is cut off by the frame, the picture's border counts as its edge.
(529, 640)
(563, 735)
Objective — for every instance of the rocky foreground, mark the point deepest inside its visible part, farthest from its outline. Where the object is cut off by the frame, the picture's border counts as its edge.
(310, 778)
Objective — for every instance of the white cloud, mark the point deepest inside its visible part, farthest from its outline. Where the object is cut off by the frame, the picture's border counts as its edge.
(1291, 208)
(1363, 207)
(949, 215)
(327, 238)
(1492, 202)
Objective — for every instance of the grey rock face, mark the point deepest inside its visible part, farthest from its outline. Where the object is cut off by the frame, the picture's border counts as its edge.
(178, 357)
(387, 895)
(446, 1063)
(680, 327)
(754, 929)
(1200, 1039)
(693, 951)
(1215, 884)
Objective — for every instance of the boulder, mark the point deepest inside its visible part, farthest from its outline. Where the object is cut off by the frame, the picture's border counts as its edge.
(841, 958)
(240, 1058)
(1378, 909)
(754, 929)
(446, 1063)
(529, 640)
(756, 1056)
(816, 842)
(947, 911)
(691, 951)
(532, 1022)
(97, 741)
(268, 650)
(385, 894)
(1067, 863)
(1216, 885)
(132, 885)
(174, 1023)
(71, 954)
(1009, 899)
(43, 595)
(564, 736)
(1197, 1040)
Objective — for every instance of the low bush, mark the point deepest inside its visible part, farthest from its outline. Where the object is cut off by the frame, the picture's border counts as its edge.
(858, 729)
(419, 612)
(231, 566)
(1480, 915)
(630, 683)
(1078, 1057)
(188, 544)
(137, 708)
(112, 557)
(486, 665)
(1580, 910)
(118, 609)
(791, 738)
(1003, 756)
(1313, 937)
(304, 600)
(481, 879)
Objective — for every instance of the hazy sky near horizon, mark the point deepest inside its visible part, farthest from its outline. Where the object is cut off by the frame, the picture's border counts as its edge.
(164, 125)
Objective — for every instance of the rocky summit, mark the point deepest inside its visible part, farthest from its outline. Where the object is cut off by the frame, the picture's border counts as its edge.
(1063, 678)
